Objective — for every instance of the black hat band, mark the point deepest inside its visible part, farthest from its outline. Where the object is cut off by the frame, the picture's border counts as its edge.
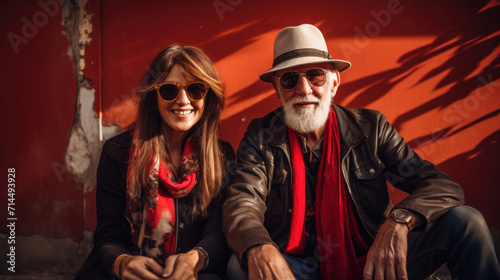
(300, 52)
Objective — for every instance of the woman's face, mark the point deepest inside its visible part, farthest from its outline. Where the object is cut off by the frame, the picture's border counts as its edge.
(181, 114)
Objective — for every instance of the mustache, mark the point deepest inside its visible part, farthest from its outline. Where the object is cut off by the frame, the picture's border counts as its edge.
(305, 99)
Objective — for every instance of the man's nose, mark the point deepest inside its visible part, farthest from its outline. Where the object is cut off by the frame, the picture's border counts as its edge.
(304, 88)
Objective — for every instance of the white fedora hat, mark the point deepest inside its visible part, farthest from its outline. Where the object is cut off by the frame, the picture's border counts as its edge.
(300, 45)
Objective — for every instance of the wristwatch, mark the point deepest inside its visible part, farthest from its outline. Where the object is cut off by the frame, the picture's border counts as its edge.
(402, 216)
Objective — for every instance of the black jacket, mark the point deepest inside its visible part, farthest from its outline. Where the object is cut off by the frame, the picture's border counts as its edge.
(258, 202)
(112, 236)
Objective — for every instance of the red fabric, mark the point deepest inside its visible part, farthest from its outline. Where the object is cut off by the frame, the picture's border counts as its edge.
(296, 238)
(188, 169)
(157, 199)
(336, 227)
(165, 205)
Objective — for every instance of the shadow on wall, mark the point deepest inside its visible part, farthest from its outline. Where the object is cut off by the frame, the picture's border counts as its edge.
(483, 152)
(470, 77)
(474, 40)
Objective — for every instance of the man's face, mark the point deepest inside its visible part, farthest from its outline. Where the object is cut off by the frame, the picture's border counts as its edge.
(307, 105)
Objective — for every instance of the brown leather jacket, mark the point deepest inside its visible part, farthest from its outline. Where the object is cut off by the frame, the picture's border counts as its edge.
(258, 204)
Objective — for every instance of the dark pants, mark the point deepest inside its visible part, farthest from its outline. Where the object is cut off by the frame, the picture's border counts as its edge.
(460, 238)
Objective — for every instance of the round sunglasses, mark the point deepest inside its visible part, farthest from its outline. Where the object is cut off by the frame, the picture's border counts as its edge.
(169, 91)
(290, 80)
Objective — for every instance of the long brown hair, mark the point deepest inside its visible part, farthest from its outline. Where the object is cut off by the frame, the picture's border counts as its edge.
(148, 137)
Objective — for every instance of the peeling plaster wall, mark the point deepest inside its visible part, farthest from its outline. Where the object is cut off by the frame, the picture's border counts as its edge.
(87, 134)
(84, 147)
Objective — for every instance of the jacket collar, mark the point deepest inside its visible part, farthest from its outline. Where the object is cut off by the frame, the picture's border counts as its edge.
(350, 134)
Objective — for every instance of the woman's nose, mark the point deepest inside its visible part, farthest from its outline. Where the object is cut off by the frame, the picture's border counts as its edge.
(182, 98)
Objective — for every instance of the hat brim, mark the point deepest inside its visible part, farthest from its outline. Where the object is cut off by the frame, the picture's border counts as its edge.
(339, 65)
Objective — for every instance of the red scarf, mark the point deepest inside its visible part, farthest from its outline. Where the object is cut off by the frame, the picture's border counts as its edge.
(151, 212)
(335, 221)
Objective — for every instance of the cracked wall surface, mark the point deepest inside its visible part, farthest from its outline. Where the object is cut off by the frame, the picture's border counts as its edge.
(84, 146)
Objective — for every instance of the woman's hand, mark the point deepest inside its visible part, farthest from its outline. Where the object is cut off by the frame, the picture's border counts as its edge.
(137, 267)
(184, 266)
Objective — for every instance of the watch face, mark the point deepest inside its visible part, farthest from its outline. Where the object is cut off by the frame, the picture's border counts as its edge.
(401, 214)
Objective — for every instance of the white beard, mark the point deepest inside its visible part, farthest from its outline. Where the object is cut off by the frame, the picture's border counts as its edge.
(306, 120)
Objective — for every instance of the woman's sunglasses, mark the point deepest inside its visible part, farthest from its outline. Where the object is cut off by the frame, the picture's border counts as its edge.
(169, 91)
(290, 80)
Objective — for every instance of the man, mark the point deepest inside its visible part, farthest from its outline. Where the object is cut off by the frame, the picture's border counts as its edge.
(309, 199)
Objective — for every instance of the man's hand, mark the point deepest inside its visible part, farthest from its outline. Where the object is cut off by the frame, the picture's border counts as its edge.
(387, 256)
(266, 262)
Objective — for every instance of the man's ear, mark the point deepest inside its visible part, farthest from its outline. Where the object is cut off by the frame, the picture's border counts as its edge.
(335, 83)
(273, 81)
(336, 80)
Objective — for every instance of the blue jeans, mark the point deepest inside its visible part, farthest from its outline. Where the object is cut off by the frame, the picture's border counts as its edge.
(460, 238)
(301, 268)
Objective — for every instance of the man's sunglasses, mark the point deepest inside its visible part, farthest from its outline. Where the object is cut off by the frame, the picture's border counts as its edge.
(290, 80)
(169, 91)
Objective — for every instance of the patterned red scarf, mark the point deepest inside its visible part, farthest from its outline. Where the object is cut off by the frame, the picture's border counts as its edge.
(151, 212)
(336, 227)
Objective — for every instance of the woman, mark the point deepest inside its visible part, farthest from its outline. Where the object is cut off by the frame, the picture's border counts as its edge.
(159, 187)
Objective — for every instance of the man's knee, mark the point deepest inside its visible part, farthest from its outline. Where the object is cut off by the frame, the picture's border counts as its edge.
(464, 218)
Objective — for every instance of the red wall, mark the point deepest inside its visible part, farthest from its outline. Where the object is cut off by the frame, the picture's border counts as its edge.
(37, 108)
(430, 66)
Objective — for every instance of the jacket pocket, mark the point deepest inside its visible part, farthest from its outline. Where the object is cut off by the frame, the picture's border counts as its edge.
(279, 176)
(369, 170)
